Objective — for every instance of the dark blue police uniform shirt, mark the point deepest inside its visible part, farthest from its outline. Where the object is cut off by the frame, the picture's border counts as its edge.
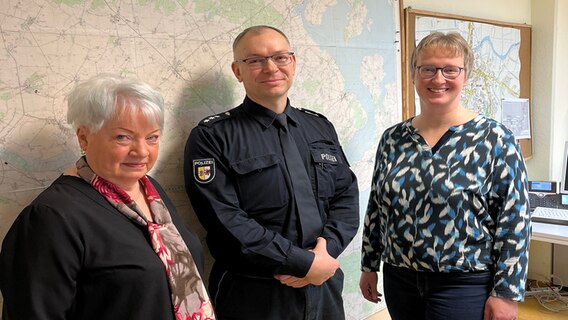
(236, 178)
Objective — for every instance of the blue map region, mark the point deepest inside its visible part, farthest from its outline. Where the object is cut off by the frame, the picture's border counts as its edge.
(378, 38)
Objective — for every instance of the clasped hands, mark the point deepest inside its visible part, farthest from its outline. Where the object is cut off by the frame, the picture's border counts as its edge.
(323, 267)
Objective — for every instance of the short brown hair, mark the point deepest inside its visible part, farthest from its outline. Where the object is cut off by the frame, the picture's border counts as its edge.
(452, 41)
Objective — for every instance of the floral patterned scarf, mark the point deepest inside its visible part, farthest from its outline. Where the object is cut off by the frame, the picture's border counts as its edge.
(189, 297)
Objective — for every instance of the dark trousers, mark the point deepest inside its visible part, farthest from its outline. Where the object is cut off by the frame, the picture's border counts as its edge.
(236, 297)
(412, 295)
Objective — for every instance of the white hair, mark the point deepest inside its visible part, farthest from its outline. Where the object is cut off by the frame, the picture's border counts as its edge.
(93, 102)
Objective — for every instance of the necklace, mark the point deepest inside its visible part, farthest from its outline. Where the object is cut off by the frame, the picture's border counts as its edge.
(138, 197)
(142, 205)
(139, 193)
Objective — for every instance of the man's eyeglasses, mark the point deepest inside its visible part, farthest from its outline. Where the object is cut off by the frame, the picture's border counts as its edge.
(449, 72)
(279, 59)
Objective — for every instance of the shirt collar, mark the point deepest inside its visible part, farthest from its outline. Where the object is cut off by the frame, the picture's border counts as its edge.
(478, 118)
(265, 116)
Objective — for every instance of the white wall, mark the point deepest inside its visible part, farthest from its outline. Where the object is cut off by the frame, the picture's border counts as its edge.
(550, 114)
(549, 79)
(516, 11)
(559, 92)
(542, 79)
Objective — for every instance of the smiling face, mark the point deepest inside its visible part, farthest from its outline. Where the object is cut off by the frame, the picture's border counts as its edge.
(124, 149)
(269, 84)
(439, 92)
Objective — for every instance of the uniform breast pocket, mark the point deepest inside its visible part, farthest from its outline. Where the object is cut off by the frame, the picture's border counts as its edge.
(326, 158)
(261, 183)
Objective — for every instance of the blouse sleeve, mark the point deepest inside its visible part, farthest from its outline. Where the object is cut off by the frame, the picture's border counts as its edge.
(371, 246)
(509, 200)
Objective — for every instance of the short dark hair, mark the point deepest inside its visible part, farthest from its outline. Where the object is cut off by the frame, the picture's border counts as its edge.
(256, 29)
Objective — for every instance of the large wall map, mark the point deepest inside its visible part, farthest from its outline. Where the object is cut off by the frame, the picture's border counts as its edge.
(348, 69)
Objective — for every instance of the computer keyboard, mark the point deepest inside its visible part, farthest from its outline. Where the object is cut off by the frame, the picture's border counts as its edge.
(547, 201)
(550, 215)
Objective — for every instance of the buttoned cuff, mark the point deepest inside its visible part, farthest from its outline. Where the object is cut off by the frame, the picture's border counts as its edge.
(298, 263)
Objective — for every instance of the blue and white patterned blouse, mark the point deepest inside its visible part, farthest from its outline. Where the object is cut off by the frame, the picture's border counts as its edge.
(462, 208)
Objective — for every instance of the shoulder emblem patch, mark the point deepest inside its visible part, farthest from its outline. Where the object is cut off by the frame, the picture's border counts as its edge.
(204, 170)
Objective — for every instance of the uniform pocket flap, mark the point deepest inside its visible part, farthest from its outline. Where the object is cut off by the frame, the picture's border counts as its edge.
(253, 164)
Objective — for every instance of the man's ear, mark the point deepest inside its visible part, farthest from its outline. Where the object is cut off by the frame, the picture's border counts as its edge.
(236, 71)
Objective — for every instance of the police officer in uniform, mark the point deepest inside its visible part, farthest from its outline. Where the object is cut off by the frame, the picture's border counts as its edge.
(274, 191)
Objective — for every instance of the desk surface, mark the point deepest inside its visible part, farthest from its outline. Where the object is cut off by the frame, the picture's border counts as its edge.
(553, 233)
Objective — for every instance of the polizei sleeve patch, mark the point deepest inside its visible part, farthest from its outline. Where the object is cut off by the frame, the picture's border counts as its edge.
(204, 170)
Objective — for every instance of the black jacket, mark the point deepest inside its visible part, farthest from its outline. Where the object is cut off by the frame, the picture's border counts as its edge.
(71, 255)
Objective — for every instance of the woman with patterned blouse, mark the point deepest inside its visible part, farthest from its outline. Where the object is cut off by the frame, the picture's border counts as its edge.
(448, 213)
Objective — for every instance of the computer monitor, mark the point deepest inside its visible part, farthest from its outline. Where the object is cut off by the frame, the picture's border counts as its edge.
(564, 180)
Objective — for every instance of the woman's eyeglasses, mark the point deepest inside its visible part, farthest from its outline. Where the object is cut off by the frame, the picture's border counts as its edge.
(449, 72)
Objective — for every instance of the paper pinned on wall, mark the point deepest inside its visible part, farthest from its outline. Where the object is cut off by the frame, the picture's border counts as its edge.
(516, 116)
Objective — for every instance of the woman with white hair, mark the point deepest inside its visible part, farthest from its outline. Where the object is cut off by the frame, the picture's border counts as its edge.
(103, 241)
